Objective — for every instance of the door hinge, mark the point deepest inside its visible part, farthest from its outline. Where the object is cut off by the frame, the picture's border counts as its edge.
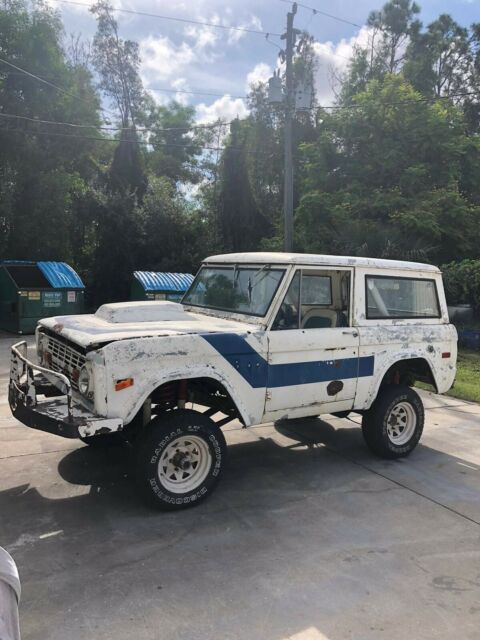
(268, 395)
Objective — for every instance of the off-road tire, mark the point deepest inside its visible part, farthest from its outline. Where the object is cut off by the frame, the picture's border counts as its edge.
(376, 423)
(154, 452)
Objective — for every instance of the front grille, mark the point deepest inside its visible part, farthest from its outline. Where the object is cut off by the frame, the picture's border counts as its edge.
(64, 359)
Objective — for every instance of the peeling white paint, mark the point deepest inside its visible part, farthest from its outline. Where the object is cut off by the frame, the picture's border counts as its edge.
(159, 342)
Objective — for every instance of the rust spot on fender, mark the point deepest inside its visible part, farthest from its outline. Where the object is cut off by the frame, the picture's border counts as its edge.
(334, 387)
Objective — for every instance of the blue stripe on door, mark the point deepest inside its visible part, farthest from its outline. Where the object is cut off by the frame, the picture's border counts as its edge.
(259, 373)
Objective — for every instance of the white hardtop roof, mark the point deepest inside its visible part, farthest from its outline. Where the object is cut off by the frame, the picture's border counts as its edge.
(314, 259)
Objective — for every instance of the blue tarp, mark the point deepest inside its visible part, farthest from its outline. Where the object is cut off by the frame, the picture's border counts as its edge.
(158, 281)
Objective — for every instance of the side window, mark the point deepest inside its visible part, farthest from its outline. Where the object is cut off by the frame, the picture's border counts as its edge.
(390, 297)
(315, 300)
(288, 314)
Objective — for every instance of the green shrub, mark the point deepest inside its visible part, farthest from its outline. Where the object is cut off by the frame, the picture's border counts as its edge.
(462, 282)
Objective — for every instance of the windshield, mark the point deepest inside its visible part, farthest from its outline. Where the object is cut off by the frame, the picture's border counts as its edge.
(248, 290)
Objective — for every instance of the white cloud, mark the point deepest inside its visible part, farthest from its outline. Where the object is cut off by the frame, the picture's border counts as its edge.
(236, 36)
(261, 72)
(162, 59)
(225, 108)
(181, 85)
(204, 38)
(333, 59)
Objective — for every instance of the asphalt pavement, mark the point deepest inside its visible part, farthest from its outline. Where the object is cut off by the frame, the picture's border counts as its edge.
(308, 536)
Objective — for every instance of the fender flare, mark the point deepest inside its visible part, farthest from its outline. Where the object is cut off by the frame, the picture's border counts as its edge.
(400, 356)
(194, 373)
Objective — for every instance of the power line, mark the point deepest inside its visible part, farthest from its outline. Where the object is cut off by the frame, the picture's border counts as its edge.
(214, 125)
(322, 13)
(328, 15)
(32, 75)
(176, 19)
(195, 92)
(218, 125)
(21, 71)
(54, 86)
(139, 142)
(398, 102)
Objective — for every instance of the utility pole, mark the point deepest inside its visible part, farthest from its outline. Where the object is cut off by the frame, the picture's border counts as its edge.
(289, 37)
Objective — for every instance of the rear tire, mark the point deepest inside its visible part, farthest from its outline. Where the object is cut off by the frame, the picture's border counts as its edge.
(180, 459)
(392, 427)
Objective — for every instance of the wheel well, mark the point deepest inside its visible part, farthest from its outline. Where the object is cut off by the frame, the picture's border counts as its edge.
(408, 372)
(208, 393)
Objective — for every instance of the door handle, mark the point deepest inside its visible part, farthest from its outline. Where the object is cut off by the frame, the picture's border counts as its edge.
(351, 333)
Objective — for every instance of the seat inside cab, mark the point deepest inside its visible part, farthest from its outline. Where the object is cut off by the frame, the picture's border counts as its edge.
(324, 299)
(316, 299)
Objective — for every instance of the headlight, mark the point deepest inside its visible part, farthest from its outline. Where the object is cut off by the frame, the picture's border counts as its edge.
(84, 381)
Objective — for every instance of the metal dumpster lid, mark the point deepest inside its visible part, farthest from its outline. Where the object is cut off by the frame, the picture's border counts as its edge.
(61, 275)
(163, 281)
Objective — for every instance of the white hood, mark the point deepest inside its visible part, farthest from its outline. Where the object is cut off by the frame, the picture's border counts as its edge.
(123, 320)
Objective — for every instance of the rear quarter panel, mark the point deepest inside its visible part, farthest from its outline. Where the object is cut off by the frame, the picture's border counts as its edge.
(392, 340)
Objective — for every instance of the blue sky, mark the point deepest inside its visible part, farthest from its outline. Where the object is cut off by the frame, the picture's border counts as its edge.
(190, 57)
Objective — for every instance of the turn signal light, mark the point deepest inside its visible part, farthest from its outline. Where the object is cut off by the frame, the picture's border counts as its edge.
(123, 384)
(446, 354)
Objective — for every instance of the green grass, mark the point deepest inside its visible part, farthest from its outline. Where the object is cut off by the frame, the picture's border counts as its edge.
(467, 382)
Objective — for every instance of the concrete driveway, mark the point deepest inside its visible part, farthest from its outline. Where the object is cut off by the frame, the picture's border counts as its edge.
(308, 537)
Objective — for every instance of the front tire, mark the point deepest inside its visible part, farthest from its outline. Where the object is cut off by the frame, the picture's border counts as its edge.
(180, 459)
(392, 427)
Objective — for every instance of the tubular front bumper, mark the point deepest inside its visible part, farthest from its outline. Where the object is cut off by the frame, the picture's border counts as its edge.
(58, 415)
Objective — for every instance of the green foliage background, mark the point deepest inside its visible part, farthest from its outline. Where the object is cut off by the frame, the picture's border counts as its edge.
(392, 170)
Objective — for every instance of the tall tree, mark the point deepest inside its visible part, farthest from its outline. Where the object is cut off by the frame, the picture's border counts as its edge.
(394, 23)
(390, 31)
(384, 178)
(41, 174)
(241, 223)
(176, 143)
(117, 61)
(438, 60)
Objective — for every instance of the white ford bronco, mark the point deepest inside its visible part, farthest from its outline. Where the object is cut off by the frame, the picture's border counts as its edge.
(258, 337)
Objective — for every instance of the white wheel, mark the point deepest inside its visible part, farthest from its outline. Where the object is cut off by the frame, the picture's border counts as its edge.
(184, 464)
(393, 425)
(401, 423)
(179, 459)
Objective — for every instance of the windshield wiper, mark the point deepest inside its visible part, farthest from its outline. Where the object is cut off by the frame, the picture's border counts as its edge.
(236, 273)
(264, 268)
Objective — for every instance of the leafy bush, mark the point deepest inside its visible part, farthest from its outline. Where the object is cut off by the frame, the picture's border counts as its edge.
(462, 282)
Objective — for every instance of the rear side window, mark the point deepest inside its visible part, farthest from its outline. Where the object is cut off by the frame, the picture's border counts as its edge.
(394, 297)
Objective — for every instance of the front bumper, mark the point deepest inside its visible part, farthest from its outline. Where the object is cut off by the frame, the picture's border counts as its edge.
(58, 415)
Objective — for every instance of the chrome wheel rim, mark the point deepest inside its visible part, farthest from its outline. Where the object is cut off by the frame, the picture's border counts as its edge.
(401, 423)
(184, 464)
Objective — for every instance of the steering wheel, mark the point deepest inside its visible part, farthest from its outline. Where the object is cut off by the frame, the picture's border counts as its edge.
(287, 317)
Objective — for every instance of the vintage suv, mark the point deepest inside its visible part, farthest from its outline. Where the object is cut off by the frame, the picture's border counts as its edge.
(258, 337)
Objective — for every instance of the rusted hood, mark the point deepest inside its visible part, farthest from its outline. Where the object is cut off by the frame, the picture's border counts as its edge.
(124, 320)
